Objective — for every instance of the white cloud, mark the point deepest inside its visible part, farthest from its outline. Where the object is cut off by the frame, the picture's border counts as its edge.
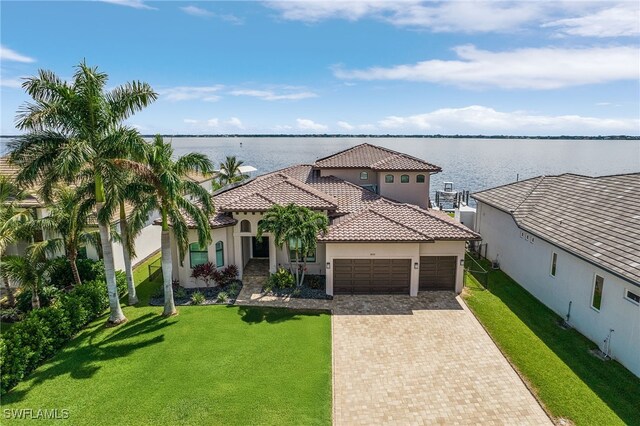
(484, 120)
(235, 122)
(306, 124)
(185, 93)
(136, 4)
(621, 20)
(476, 16)
(346, 126)
(7, 55)
(269, 95)
(190, 121)
(213, 122)
(13, 83)
(528, 68)
(196, 11)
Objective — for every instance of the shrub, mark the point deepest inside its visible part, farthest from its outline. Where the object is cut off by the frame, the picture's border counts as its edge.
(217, 277)
(315, 282)
(180, 293)
(204, 272)
(197, 298)
(234, 289)
(222, 296)
(10, 315)
(158, 292)
(281, 279)
(47, 294)
(229, 275)
(61, 275)
(93, 295)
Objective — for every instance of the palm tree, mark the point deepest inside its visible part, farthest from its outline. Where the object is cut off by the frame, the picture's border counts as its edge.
(13, 220)
(68, 219)
(76, 129)
(296, 229)
(176, 198)
(30, 272)
(230, 171)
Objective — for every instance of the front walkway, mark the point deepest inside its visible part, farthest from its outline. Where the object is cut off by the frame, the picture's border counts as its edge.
(425, 360)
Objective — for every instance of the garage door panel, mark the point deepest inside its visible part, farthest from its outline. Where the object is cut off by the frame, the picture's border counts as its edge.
(372, 276)
(437, 273)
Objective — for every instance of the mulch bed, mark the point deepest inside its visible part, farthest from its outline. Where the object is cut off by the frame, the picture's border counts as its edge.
(182, 296)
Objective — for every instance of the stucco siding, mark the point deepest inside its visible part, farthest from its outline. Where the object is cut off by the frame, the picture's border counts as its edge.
(527, 259)
(352, 175)
(412, 192)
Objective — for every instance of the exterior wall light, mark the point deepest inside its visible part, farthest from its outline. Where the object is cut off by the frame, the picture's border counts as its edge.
(462, 262)
(328, 265)
(416, 265)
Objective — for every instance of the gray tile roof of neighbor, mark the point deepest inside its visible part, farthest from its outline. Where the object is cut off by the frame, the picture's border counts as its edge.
(595, 218)
(375, 158)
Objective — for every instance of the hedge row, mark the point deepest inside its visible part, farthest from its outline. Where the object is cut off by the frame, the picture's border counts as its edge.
(42, 332)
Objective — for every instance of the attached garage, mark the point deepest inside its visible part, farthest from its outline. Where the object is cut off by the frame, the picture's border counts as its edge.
(437, 273)
(371, 276)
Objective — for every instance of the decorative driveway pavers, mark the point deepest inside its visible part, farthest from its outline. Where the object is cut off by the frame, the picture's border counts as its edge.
(425, 360)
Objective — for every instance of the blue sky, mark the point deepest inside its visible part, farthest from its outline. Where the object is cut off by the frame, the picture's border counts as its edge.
(523, 68)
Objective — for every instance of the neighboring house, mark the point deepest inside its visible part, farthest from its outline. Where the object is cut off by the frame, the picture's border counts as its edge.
(147, 243)
(572, 242)
(374, 244)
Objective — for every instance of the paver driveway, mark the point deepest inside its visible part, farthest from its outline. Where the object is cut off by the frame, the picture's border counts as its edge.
(424, 360)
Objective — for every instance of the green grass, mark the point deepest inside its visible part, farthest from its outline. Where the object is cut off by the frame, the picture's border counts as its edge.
(569, 381)
(208, 365)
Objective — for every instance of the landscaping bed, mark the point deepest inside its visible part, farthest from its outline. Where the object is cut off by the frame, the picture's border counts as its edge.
(218, 295)
(280, 285)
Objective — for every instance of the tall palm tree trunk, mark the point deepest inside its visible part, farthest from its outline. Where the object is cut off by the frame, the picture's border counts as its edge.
(167, 272)
(35, 298)
(72, 256)
(124, 231)
(116, 316)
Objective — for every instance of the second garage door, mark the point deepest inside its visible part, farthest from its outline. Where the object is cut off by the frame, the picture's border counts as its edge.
(371, 276)
(437, 273)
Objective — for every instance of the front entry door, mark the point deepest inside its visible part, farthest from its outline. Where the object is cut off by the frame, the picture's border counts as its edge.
(260, 248)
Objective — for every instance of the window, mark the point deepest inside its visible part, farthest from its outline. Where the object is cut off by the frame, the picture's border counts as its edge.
(420, 179)
(388, 179)
(632, 296)
(404, 179)
(219, 254)
(554, 264)
(245, 226)
(596, 300)
(197, 255)
(364, 175)
(293, 244)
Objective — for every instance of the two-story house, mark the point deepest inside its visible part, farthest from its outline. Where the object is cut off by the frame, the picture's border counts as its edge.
(382, 238)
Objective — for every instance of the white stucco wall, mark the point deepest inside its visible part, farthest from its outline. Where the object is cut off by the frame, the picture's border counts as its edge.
(412, 192)
(183, 272)
(529, 263)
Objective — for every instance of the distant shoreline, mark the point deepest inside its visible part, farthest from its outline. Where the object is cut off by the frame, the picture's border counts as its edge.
(315, 135)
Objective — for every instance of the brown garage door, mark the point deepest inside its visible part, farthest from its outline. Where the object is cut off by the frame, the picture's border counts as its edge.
(371, 276)
(437, 273)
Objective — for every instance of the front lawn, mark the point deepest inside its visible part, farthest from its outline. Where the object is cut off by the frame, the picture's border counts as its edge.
(208, 365)
(570, 382)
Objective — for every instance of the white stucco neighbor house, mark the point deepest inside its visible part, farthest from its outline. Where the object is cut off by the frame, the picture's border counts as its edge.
(572, 242)
(382, 237)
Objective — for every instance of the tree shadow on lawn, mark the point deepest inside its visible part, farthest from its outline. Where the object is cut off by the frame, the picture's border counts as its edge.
(256, 315)
(80, 357)
(614, 384)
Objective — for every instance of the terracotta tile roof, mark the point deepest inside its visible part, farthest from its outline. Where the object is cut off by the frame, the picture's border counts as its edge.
(274, 188)
(200, 177)
(395, 222)
(375, 158)
(595, 218)
(11, 171)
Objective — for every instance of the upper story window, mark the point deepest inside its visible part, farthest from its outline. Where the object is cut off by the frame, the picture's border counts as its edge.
(245, 226)
(364, 175)
(554, 264)
(632, 296)
(404, 179)
(197, 255)
(388, 179)
(596, 299)
(420, 179)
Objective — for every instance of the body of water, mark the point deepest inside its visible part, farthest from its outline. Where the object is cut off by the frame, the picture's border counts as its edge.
(471, 164)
